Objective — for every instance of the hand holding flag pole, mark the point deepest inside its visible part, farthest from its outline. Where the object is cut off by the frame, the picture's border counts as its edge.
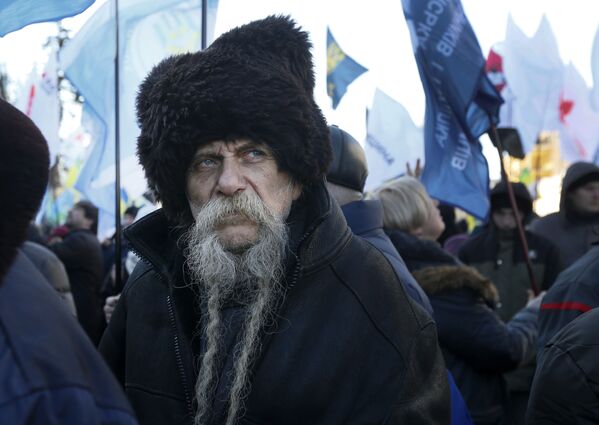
(533, 281)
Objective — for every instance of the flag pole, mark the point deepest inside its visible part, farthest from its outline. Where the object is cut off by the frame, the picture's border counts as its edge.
(117, 158)
(510, 190)
(204, 23)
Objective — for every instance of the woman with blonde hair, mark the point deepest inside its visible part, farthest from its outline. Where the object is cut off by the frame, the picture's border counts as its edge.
(413, 222)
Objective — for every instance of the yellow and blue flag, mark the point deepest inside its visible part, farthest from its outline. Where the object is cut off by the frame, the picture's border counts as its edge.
(341, 70)
(461, 103)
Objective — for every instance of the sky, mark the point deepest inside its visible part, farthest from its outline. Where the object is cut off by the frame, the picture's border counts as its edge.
(374, 34)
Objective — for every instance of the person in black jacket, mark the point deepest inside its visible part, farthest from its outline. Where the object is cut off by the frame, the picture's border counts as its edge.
(566, 384)
(50, 374)
(81, 254)
(253, 302)
(496, 251)
(477, 346)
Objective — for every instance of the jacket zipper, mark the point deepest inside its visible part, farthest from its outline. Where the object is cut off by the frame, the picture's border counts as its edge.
(178, 356)
(173, 324)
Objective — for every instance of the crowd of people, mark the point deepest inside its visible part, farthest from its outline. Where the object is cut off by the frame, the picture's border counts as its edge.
(269, 288)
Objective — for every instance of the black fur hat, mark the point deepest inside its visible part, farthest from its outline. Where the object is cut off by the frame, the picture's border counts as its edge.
(23, 178)
(255, 81)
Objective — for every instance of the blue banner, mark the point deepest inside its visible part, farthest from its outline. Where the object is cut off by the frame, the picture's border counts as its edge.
(16, 14)
(341, 70)
(149, 31)
(461, 103)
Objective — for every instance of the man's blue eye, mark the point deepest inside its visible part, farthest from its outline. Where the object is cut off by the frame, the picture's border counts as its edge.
(206, 163)
(255, 153)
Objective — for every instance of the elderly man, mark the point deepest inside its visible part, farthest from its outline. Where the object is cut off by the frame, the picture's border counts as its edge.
(254, 303)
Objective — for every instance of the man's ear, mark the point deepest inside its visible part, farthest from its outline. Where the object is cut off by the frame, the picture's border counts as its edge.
(88, 222)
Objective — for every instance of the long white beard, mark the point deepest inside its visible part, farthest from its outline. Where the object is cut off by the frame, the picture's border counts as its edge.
(253, 275)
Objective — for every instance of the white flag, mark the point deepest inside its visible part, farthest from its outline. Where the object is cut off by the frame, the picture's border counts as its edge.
(534, 73)
(579, 132)
(392, 140)
(39, 101)
(595, 70)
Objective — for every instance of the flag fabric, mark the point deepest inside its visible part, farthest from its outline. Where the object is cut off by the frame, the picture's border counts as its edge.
(342, 70)
(579, 130)
(149, 32)
(392, 140)
(461, 103)
(534, 73)
(595, 71)
(496, 74)
(39, 101)
(16, 14)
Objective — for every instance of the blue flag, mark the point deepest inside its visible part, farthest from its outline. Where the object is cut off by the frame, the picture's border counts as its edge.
(16, 14)
(149, 31)
(461, 103)
(341, 70)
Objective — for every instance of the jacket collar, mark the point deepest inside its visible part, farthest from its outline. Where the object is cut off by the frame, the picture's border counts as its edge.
(363, 216)
(318, 233)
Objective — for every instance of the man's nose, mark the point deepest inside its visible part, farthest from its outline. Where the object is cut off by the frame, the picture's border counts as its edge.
(231, 179)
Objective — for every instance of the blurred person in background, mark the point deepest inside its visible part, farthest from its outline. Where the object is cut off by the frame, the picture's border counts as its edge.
(576, 224)
(50, 374)
(81, 255)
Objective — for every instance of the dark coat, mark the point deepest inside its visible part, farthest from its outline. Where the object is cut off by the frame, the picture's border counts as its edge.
(570, 232)
(575, 292)
(50, 373)
(478, 347)
(565, 390)
(349, 346)
(420, 253)
(506, 268)
(81, 254)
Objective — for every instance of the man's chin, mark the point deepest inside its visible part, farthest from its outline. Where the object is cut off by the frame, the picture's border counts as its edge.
(237, 239)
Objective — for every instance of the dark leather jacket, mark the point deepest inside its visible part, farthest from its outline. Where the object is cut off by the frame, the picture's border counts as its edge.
(349, 346)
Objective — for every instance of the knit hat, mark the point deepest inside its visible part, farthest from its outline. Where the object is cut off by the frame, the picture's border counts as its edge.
(500, 197)
(348, 168)
(255, 81)
(23, 178)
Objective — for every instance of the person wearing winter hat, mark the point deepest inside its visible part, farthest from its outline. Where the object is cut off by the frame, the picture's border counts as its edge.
(574, 227)
(496, 252)
(50, 371)
(254, 303)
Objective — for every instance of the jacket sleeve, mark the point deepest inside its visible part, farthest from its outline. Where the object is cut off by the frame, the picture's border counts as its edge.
(62, 406)
(561, 394)
(563, 304)
(425, 396)
(553, 267)
(486, 343)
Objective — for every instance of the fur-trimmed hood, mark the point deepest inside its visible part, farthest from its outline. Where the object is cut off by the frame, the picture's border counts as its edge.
(435, 280)
(255, 81)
